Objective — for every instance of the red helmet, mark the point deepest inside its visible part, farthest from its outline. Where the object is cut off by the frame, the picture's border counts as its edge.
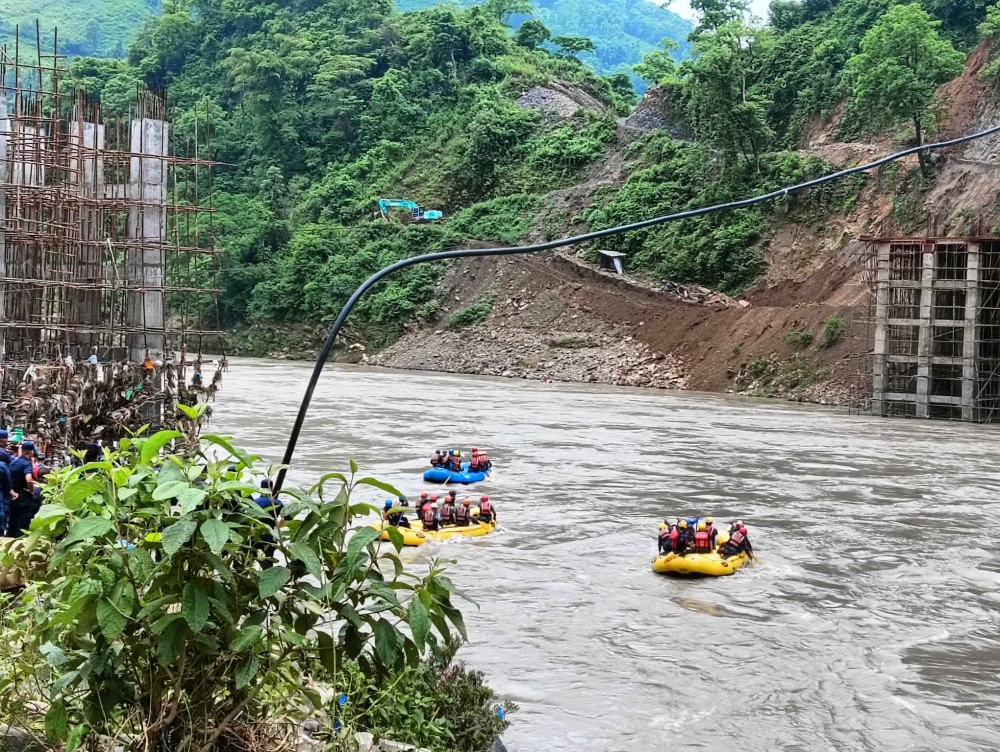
(434, 498)
(484, 497)
(424, 495)
(743, 530)
(475, 449)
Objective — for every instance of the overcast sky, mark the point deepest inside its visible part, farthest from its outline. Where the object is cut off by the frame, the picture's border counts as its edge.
(683, 8)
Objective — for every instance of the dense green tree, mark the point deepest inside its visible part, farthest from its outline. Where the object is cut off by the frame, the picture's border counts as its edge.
(724, 107)
(902, 61)
(502, 10)
(532, 33)
(659, 66)
(571, 46)
(714, 14)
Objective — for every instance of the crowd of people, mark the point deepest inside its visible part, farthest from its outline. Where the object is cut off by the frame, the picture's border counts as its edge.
(699, 535)
(451, 459)
(435, 512)
(23, 471)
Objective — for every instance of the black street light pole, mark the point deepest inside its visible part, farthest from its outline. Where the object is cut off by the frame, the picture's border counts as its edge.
(525, 249)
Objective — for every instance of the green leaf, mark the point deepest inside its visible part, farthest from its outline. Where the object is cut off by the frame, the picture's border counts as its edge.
(247, 638)
(386, 642)
(153, 606)
(151, 447)
(215, 534)
(89, 527)
(194, 606)
(53, 654)
(304, 553)
(56, 722)
(396, 538)
(75, 739)
(272, 580)
(171, 641)
(389, 489)
(124, 494)
(177, 535)
(140, 563)
(354, 467)
(246, 672)
(242, 456)
(192, 413)
(111, 620)
(62, 682)
(79, 491)
(419, 622)
(170, 489)
(327, 652)
(160, 625)
(48, 514)
(359, 540)
(219, 566)
(190, 499)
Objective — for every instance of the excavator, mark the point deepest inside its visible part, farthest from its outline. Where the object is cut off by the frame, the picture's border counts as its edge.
(416, 215)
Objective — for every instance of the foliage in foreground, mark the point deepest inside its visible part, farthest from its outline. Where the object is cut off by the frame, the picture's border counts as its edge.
(168, 607)
(439, 704)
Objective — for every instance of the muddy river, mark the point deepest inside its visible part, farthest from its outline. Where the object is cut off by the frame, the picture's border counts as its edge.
(871, 625)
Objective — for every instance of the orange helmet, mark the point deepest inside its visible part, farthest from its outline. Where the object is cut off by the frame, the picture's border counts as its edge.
(424, 495)
(466, 503)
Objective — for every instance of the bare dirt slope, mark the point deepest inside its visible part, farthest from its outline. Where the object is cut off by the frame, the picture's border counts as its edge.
(556, 317)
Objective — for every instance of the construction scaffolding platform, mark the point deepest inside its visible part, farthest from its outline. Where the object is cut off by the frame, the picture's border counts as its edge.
(108, 268)
(933, 328)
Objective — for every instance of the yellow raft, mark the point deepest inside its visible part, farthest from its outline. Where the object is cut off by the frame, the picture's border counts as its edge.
(415, 535)
(711, 564)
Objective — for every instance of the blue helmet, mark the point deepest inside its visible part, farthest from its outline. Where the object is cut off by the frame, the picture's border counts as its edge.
(388, 503)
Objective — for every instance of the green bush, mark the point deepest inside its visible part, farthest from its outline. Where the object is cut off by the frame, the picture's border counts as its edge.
(473, 314)
(439, 704)
(833, 330)
(799, 338)
(506, 219)
(166, 606)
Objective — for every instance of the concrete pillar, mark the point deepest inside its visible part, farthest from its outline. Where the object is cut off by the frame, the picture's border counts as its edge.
(970, 356)
(86, 176)
(4, 178)
(881, 349)
(926, 331)
(147, 224)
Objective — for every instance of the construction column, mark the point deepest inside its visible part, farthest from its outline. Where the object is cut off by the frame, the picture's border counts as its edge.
(4, 179)
(924, 343)
(881, 350)
(147, 224)
(970, 344)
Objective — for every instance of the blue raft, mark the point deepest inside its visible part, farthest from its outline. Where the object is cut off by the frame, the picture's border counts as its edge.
(441, 475)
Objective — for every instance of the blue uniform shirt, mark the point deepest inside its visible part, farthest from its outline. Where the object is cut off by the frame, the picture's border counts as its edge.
(19, 468)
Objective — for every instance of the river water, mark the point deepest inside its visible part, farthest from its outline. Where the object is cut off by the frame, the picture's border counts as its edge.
(871, 625)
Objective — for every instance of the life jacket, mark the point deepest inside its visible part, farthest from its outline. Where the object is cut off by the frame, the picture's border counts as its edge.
(461, 513)
(456, 464)
(675, 535)
(446, 512)
(484, 460)
(428, 516)
(702, 541)
(664, 535)
(485, 507)
(738, 537)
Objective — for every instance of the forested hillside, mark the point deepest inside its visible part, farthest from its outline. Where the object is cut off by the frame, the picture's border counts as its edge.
(100, 28)
(323, 106)
(623, 31)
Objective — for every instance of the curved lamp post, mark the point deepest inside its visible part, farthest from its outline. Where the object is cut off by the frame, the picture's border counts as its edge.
(525, 249)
